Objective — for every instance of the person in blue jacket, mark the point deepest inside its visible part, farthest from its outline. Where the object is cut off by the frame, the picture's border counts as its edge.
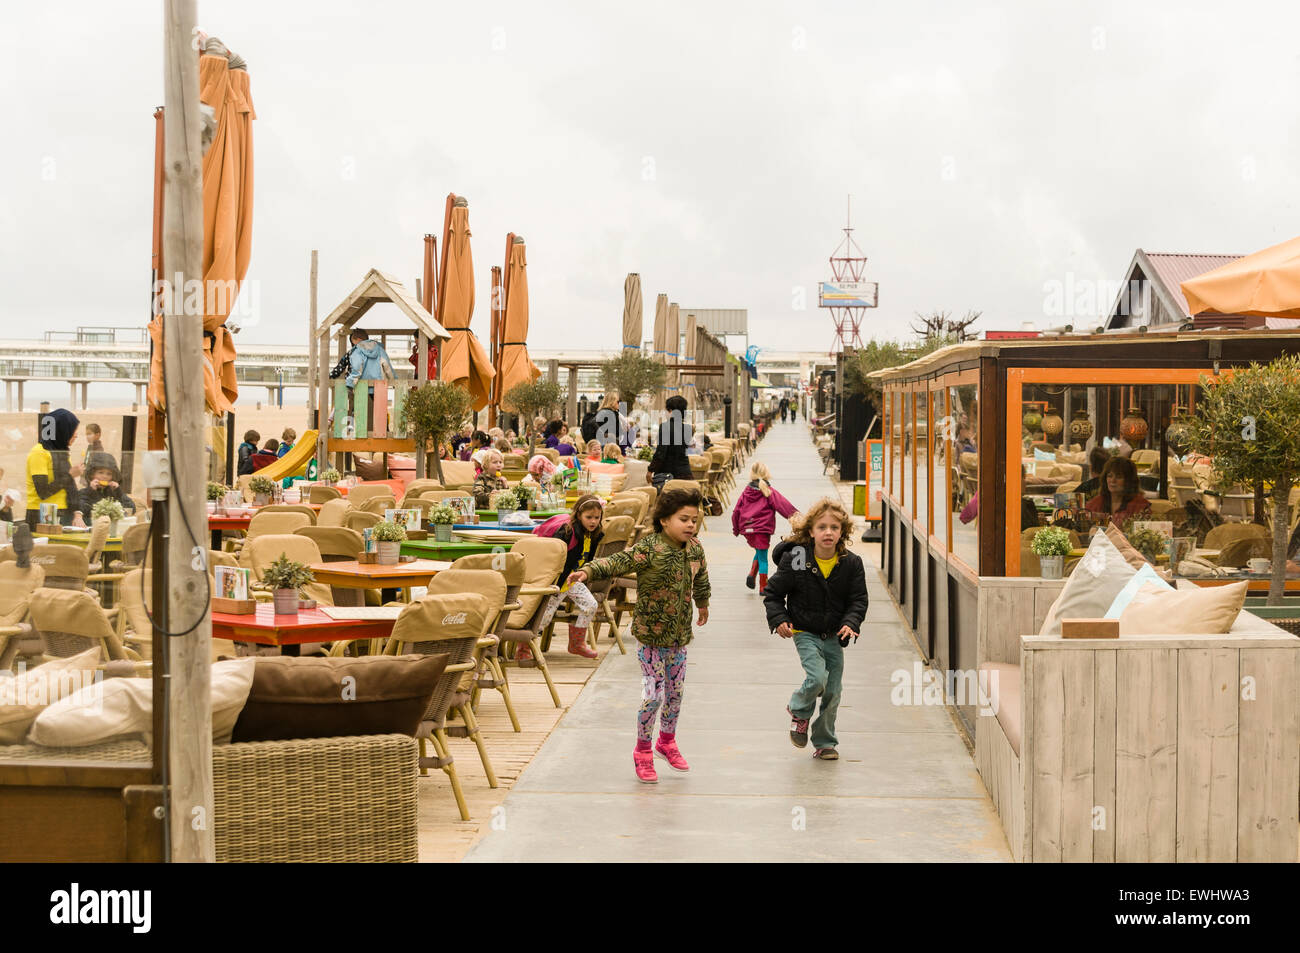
(368, 362)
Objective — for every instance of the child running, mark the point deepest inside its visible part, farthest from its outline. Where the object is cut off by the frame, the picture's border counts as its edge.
(670, 570)
(582, 534)
(754, 517)
(818, 597)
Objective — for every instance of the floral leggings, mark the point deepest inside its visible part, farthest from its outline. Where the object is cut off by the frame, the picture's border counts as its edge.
(663, 675)
(584, 603)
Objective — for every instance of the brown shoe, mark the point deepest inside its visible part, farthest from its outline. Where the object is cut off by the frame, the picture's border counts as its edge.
(827, 754)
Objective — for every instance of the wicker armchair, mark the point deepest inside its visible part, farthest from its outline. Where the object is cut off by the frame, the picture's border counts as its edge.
(17, 583)
(72, 621)
(492, 675)
(450, 624)
(543, 562)
(618, 534)
(320, 493)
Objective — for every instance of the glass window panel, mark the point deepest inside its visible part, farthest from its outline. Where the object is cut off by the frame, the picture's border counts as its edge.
(963, 408)
(896, 438)
(938, 464)
(907, 454)
(922, 431)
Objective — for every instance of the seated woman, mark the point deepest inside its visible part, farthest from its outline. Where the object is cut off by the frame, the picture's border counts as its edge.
(1098, 457)
(555, 431)
(1121, 497)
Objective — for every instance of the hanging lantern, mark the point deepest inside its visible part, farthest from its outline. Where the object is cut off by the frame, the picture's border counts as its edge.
(1033, 419)
(1179, 432)
(1080, 427)
(1053, 424)
(1133, 427)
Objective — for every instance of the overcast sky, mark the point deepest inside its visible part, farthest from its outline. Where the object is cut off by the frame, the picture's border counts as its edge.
(990, 149)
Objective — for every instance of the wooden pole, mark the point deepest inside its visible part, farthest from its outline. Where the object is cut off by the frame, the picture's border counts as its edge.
(189, 715)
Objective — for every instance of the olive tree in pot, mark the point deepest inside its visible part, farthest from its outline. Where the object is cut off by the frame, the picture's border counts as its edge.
(389, 536)
(442, 517)
(431, 414)
(532, 399)
(1248, 421)
(284, 577)
(262, 489)
(1051, 545)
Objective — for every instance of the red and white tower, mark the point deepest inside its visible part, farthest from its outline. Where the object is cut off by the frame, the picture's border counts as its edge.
(847, 296)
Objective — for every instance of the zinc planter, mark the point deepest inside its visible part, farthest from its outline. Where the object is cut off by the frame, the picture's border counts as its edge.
(260, 499)
(502, 514)
(389, 550)
(286, 601)
(442, 532)
(1052, 567)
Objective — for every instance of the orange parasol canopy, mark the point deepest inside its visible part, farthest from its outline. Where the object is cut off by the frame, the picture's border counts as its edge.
(1266, 283)
(464, 361)
(227, 223)
(515, 365)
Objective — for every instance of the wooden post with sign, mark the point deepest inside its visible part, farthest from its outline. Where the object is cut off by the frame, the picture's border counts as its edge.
(189, 729)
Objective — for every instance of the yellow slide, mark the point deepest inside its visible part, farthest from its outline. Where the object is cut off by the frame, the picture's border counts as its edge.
(294, 463)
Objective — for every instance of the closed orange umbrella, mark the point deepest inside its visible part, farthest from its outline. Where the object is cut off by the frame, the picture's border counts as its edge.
(227, 223)
(1266, 283)
(515, 365)
(464, 361)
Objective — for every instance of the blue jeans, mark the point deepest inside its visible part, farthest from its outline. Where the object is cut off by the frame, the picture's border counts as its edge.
(823, 665)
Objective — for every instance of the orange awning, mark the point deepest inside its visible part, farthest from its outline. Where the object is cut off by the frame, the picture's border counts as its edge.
(464, 361)
(227, 229)
(1266, 283)
(515, 365)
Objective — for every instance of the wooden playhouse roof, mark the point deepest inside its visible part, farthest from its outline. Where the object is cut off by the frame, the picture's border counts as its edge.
(376, 287)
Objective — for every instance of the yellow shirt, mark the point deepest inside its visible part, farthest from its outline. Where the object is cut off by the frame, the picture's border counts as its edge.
(40, 463)
(826, 565)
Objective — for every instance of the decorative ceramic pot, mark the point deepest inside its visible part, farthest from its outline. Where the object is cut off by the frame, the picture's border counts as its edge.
(389, 550)
(1033, 419)
(1133, 427)
(1053, 424)
(286, 601)
(1051, 567)
(1080, 427)
(1179, 434)
(442, 532)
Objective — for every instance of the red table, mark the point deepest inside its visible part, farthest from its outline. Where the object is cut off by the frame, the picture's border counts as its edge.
(264, 627)
(218, 523)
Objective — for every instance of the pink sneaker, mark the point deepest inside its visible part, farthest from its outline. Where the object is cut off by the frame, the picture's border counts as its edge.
(645, 766)
(668, 751)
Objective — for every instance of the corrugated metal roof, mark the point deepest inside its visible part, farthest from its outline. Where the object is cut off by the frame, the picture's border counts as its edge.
(1174, 269)
(720, 320)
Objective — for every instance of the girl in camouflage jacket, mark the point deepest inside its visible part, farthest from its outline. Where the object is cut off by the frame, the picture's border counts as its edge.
(670, 570)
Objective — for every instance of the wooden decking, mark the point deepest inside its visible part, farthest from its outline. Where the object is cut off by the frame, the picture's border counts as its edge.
(443, 835)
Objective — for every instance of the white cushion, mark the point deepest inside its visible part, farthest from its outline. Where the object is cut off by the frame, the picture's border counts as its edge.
(123, 707)
(25, 696)
(1097, 579)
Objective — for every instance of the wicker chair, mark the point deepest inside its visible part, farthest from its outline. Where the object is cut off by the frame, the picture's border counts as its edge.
(493, 676)
(321, 493)
(415, 487)
(72, 621)
(357, 520)
(543, 560)
(336, 543)
(333, 512)
(17, 584)
(134, 541)
(274, 524)
(436, 495)
(377, 505)
(362, 492)
(450, 624)
(288, 508)
(264, 550)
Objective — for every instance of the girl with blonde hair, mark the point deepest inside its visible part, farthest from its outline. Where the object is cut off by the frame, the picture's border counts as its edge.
(754, 517)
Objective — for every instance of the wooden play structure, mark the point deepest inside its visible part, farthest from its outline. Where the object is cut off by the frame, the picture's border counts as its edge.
(372, 425)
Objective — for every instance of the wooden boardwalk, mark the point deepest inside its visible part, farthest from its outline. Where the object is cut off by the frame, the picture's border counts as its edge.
(443, 835)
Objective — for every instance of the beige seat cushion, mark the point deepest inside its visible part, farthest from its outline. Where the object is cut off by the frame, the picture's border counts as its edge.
(123, 707)
(1003, 689)
(26, 696)
(1091, 587)
(1203, 610)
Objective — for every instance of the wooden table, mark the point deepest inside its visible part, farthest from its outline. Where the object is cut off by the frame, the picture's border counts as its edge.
(288, 632)
(350, 574)
(112, 545)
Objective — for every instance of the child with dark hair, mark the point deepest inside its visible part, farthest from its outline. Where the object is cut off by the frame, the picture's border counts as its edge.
(671, 573)
(818, 597)
(582, 534)
(246, 451)
(103, 482)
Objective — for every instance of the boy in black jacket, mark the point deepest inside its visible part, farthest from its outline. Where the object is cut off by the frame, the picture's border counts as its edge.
(818, 597)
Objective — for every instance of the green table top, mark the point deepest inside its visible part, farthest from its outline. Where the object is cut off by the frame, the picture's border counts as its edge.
(543, 514)
(432, 549)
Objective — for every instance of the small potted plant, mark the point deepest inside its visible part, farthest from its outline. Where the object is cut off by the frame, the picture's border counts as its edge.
(284, 578)
(1147, 541)
(330, 477)
(646, 453)
(504, 502)
(110, 508)
(442, 517)
(1051, 545)
(262, 489)
(389, 536)
(215, 492)
(526, 494)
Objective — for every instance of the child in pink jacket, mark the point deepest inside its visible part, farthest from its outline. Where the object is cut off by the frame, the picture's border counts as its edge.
(754, 517)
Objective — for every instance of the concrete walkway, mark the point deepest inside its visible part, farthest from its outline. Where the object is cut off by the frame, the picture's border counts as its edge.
(904, 789)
